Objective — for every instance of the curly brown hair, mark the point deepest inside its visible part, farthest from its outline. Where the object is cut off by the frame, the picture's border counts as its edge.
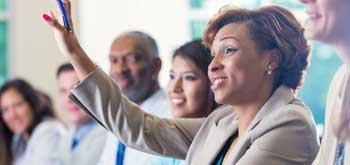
(271, 27)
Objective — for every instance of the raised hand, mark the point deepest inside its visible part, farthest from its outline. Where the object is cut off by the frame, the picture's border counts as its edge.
(68, 42)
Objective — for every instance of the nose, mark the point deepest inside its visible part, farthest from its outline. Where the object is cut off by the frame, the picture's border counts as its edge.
(215, 65)
(176, 85)
(119, 67)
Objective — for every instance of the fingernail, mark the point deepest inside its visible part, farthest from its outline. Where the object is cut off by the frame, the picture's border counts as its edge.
(46, 17)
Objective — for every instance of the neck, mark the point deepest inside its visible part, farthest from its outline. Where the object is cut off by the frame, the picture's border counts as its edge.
(343, 52)
(25, 136)
(246, 112)
(154, 88)
(342, 46)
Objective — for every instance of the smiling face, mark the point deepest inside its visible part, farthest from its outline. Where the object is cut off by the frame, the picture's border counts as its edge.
(237, 71)
(187, 90)
(328, 19)
(131, 67)
(16, 112)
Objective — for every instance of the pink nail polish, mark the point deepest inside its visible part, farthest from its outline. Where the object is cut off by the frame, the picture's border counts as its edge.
(46, 17)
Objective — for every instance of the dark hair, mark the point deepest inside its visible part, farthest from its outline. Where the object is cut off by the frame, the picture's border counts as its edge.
(40, 103)
(5, 143)
(63, 68)
(271, 27)
(196, 52)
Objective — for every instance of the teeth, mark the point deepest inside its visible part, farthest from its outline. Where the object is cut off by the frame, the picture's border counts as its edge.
(217, 81)
(177, 101)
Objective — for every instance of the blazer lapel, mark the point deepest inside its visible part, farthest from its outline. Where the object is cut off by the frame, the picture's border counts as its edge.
(280, 97)
(217, 137)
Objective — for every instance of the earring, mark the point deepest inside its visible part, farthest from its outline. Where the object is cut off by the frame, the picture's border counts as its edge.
(269, 72)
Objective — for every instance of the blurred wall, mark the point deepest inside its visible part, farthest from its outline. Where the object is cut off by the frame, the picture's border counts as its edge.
(102, 21)
(33, 53)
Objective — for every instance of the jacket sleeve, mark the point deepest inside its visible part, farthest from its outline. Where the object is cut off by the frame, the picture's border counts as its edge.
(102, 99)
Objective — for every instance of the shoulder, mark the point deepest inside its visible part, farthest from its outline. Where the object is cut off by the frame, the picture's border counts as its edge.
(49, 130)
(289, 132)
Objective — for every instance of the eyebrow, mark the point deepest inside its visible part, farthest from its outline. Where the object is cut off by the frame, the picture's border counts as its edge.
(186, 72)
(229, 37)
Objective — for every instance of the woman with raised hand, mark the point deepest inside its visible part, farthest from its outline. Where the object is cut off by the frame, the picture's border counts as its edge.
(260, 57)
(32, 131)
(328, 23)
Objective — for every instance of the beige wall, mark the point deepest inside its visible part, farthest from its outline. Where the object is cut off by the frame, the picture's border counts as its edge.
(166, 20)
(33, 53)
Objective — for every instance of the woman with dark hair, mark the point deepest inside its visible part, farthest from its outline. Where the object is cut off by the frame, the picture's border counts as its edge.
(29, 126)
(260, 57)
(188, 90)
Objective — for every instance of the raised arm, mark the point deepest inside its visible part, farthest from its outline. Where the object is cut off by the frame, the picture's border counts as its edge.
(100, 97)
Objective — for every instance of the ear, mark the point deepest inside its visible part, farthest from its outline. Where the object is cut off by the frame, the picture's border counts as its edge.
(272, 60)
(156, 66)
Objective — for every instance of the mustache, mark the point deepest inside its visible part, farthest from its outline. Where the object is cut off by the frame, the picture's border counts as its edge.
(121, 76)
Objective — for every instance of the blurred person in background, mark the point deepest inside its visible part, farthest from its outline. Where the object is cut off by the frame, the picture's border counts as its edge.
(328, 22)
(86, 139)
(134, 66)
(32, 131)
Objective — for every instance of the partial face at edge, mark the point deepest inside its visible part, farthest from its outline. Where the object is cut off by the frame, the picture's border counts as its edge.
(328, 19)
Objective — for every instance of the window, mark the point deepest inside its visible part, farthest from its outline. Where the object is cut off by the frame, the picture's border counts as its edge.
(315, 89)
(3, 41)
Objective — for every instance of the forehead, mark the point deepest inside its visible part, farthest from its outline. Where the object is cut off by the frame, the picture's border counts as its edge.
(129, 44)
(238, 31)
(10, 95)
(67, 78)
(183, 64)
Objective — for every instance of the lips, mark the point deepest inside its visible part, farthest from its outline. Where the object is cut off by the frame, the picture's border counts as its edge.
(313, 14)
(218, 82)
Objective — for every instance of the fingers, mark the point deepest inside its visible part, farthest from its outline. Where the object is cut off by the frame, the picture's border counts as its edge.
(52, 21)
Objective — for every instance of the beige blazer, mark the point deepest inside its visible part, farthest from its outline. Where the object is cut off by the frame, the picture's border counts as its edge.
(326, 155)
(282, 132)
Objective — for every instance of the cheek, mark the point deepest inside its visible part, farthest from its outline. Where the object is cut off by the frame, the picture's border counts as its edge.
(196, 94)
(28, 116)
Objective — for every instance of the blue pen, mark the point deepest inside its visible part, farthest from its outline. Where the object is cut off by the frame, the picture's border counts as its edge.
(64, 13)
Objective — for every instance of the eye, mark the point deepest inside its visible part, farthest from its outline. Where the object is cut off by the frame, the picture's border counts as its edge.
(190, 77)
(171, 76)
(113, 60)
(131, 58)
(229, 51)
